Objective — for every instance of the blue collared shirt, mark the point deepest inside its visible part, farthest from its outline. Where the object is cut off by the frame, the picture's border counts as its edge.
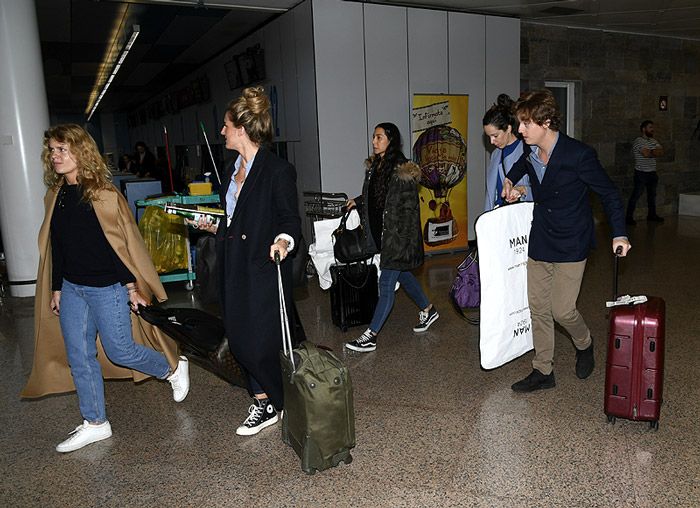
(539, 166)
(231, 199)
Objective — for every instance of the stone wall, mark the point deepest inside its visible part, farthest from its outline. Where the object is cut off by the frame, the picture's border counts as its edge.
(618, 80)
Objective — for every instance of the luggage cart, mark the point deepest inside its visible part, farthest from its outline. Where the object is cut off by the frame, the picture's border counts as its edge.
(324, 205)
(320, 206)
(353, 295)
(187, 275)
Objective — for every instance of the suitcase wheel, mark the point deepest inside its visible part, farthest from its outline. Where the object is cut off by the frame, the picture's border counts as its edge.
(611, 419)
(344, 328)
(654, 425)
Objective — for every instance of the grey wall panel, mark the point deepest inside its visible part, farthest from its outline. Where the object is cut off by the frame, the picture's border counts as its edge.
(288, 90)
(274, 70)
(386, 57)
(340, 91)
(302, 81)
(428, 51)
(467, 39)
(502, 57)
(190, 128)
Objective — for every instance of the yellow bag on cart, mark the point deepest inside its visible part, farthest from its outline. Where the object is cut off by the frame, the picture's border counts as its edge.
(165, 236)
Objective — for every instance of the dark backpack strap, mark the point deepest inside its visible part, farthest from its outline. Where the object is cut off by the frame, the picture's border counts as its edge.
(471, 320)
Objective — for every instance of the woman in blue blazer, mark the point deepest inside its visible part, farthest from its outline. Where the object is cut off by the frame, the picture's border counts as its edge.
(501, 127)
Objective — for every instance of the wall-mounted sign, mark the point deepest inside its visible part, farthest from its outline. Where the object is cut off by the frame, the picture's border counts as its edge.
(663, 103)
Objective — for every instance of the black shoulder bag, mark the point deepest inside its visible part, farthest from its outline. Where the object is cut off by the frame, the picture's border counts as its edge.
(349, 245)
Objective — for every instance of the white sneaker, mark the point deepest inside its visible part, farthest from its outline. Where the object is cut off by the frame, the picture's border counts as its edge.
(85, 434)
(180, 380)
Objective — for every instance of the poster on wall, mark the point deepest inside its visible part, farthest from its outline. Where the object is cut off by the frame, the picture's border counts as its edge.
(439, 137)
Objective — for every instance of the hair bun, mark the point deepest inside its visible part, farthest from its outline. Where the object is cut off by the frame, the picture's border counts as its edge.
(504, 100)
(257, 100)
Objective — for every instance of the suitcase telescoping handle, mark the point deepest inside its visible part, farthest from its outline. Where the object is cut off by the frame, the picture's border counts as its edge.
(284, 318)
(616, 268)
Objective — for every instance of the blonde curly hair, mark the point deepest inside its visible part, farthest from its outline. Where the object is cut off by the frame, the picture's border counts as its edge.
(93, 173)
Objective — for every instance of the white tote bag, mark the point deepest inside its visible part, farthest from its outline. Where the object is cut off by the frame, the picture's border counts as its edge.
(505, 328)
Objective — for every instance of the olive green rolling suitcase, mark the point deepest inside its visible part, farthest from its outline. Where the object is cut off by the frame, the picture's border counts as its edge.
(319, 420)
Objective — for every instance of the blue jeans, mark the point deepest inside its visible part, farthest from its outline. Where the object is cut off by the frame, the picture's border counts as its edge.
(387, 285)
(84, 312)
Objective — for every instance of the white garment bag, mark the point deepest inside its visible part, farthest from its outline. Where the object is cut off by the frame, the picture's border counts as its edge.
(502, 239)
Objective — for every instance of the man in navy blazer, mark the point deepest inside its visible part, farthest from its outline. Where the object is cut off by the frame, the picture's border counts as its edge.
(562, 170)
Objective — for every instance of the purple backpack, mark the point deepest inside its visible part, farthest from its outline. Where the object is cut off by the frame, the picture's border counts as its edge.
(466, 288)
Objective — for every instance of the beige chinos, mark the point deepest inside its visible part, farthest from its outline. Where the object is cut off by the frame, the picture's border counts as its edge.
(552, 290)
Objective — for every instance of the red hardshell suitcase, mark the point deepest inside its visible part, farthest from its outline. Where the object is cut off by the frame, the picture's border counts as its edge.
(635, 363)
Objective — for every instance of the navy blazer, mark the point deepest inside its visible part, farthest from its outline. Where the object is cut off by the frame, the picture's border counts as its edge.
(562, 223)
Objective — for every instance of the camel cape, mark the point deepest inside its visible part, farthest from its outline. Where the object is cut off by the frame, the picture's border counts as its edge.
(50, 371)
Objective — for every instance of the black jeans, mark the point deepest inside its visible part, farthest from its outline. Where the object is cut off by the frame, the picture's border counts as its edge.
(643, 179)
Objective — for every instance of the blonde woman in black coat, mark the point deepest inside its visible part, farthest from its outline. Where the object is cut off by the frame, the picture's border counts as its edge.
(390, 209)
(260, 195)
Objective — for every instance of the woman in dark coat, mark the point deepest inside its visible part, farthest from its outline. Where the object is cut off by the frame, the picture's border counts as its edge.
(260, 195)
(390, 209)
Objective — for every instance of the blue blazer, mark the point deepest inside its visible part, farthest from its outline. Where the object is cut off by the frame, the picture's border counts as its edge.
(562, 222)
(495, 167)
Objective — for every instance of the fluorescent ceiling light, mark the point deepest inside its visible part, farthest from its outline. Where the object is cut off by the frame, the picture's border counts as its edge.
(135, 30)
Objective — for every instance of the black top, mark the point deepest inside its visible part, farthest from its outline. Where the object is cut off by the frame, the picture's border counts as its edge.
(80, 251)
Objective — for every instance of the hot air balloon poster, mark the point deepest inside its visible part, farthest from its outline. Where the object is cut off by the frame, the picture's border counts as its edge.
(439, 135)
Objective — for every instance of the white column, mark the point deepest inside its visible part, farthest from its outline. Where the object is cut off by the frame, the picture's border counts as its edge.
(24, 116)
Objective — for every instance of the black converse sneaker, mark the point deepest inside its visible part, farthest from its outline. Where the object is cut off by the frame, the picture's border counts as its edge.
(365, 343)
(261, 414)
(425, 319)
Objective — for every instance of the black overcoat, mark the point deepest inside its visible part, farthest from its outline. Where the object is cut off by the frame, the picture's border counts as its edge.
(266, 207)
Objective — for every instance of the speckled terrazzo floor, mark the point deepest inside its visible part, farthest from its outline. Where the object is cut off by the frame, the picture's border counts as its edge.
(433, 429)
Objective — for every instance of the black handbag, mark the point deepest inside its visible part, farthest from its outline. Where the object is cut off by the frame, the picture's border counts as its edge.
(349, 245)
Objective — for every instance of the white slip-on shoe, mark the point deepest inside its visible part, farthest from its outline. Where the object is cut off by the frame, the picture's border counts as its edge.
(85, 434)
(180, 380)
